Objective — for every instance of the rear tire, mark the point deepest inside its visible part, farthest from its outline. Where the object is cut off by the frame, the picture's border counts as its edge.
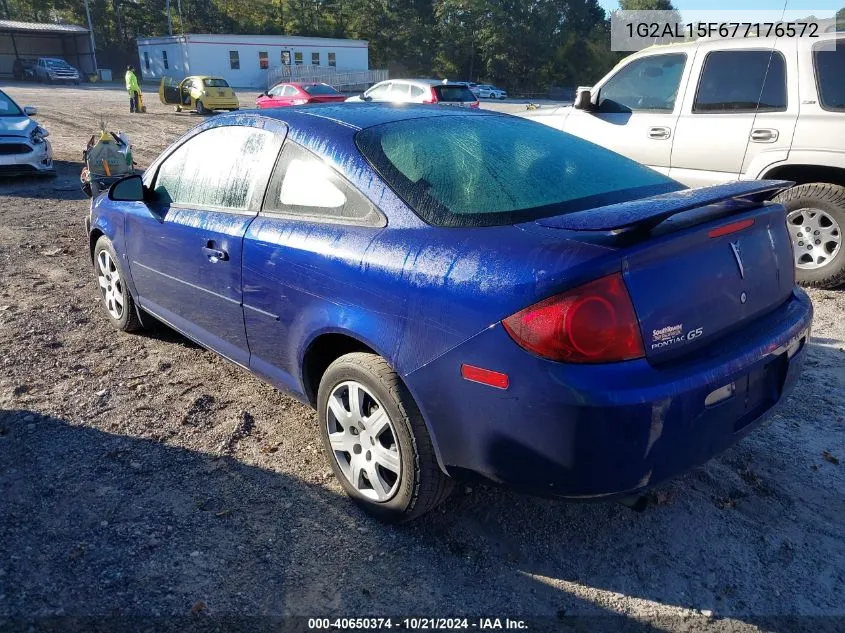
(823, 204)
(201, 108)
(420, 485)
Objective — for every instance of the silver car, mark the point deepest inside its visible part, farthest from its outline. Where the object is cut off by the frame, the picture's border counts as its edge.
(420, 91)
(24, 148)
(486, 91)
(53, 69)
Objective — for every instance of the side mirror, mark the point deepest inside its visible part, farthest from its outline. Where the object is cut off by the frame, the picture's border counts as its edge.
(584, 101)
(30, 110)
(129, 189)
(366, 98)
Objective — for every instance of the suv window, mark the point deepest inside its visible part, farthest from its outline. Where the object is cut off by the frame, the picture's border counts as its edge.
(459, 94)
(224, 167)
(379, 91)
(742, 81)
(305, 185)
(649, 83)
(490, 170)
(829, 65)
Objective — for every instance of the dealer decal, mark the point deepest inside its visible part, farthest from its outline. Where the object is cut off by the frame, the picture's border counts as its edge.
(672, 334)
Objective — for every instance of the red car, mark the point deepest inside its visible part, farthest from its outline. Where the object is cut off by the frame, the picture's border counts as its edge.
(294, 94)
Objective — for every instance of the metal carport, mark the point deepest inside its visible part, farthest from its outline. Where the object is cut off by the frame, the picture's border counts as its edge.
(33, 39)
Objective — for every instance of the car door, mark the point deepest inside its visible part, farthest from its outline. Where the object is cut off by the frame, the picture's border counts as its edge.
(636, 109)
(168, 91)
(736, 113)
(273, 97)
(184, 245)
(379, 92)
(300, 259)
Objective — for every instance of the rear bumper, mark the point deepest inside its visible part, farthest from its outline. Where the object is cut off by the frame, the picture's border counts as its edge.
(604, 430)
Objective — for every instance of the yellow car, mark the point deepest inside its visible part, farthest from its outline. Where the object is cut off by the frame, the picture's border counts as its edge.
(199, 92)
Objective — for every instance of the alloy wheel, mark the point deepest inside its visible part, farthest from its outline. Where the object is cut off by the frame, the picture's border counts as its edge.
(363, 440)
(816, 237)
(111, 285)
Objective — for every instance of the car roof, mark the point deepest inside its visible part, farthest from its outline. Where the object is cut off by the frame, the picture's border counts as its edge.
(359, 116)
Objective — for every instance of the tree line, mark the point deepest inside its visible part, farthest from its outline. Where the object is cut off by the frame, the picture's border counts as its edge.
(523, 45)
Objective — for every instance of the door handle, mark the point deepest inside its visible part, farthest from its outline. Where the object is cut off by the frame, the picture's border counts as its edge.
(659, 133)
(214, 254)
(764, 135)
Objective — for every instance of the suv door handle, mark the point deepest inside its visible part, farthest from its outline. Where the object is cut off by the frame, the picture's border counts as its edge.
(659, 133)
(764, 135)
(214, 254)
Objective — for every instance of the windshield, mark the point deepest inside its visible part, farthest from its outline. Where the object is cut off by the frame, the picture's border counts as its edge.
(56, 63)
(8, 107)
(320, 90)
(215, 83)
(490, 170)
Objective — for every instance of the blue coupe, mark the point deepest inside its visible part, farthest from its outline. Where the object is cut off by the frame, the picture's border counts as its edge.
(464, 294)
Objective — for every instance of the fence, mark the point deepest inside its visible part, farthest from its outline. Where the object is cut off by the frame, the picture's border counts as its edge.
(342, 80)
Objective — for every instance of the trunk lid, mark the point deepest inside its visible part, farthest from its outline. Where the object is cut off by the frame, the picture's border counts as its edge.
(695, 273)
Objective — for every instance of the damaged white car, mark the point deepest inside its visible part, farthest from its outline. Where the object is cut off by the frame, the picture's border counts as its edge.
(24, 148)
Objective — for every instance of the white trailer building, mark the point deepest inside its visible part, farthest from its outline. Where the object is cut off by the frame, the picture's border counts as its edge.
(246, 61)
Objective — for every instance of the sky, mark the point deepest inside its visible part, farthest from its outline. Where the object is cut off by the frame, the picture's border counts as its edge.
(805, 6)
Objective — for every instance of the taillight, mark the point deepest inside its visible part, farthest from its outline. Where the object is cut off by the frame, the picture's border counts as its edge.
(432, 97)
(594, 323)
(475, 104)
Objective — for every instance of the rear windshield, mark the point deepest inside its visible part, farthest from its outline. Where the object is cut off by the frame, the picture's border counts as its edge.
(215, 83)
(830, 76)
(490, 170)
(320, 89)
(7, 106)
(460, 94)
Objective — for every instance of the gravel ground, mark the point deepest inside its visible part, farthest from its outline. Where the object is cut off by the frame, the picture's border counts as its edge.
(144, 476)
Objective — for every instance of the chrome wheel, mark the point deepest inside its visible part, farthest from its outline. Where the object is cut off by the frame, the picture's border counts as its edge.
(363, 441)
(816, 237)
(111, 285)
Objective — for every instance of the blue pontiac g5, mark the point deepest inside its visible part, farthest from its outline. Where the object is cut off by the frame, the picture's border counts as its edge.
(464, 294)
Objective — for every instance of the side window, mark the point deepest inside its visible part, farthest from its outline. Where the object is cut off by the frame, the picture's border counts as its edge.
(829, 64)
(146, 60)
(332, 59)
(297, 58)
(304, 185)
(646, 84)
(275, 91)
(416, 91)
(379, 91)
(741, 81)
(220, 168)
(288, 91)
(234, 60)
(315, 59)
(164, 59)
(263, 60)
(286, 58)
(399, 90)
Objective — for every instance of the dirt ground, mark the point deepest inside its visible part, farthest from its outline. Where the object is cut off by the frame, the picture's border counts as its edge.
(143, 476)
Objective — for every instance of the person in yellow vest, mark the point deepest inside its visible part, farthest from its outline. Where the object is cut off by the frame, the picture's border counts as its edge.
(133, 89)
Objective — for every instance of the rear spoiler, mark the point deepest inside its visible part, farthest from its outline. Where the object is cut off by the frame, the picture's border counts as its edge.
(647, 213)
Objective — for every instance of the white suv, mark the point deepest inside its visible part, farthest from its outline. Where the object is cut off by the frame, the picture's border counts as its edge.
(712, 111)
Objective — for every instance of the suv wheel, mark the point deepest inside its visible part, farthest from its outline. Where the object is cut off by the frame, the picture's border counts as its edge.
(377, 441)
(816, 218)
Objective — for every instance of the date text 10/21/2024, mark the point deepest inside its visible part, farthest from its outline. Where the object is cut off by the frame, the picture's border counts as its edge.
(416, 624)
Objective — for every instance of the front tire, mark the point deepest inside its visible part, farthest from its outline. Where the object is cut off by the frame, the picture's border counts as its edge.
(815, 216)
(376, 440)
(118, 303)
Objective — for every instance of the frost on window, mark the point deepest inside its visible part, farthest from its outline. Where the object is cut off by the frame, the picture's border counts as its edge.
(220, 167)
(307, 183)
(485, 170)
